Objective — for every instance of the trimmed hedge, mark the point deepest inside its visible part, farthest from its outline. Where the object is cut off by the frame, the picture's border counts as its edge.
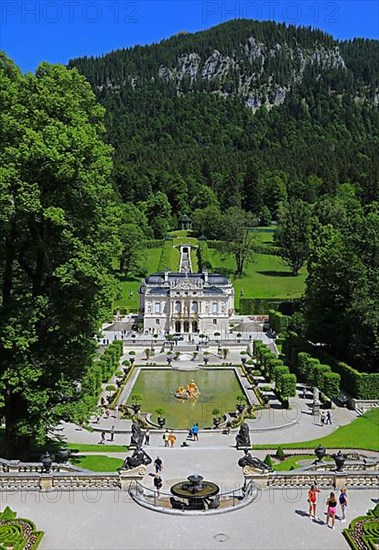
(360, 385)
(287, 386)
(154, 243)
(203, 257)
(278, 321)
(256, 306)
(165, 259)
(285, 382)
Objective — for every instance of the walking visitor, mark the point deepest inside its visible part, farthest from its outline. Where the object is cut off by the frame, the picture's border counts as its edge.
(312, 500)
(328, 418)
(172, 438)
(147, 437)
(343, 503)
(112, 434)
(165, 438)
(102, 441)
(195, 432)
(157, 483)
(331, 509)
(158, 465)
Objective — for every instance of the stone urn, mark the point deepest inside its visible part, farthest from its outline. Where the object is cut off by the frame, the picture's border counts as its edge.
(240, 408)
(339, 458)
(47, 461)
(206, 360)
(136, 408)
(161, 421)
(320, 452)
(132, 359)
(63, 454)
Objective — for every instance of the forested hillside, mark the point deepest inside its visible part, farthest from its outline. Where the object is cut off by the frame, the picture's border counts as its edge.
(255, 111)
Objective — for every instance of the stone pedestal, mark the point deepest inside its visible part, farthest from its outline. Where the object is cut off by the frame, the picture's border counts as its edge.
(46, 483)
(340, 481)
(128, 476)
(14, 466)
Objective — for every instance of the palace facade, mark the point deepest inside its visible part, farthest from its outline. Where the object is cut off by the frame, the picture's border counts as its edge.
(186, 303)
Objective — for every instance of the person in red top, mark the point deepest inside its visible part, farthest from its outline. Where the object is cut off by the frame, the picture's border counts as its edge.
(312, 500)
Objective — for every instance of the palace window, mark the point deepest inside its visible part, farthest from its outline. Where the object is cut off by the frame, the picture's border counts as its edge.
(157, 307)
(194, 307)
(214, 307)
(178, 307)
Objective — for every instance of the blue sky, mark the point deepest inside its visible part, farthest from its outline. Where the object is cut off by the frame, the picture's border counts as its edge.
(56, 31)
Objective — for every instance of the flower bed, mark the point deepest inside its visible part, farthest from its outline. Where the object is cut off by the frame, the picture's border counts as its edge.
(17, 533)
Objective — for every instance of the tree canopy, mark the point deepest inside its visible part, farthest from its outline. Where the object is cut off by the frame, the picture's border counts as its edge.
(59, 223)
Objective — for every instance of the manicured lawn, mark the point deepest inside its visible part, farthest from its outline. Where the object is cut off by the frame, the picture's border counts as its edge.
(83, 448)
(175, 258)
(265, 235)
(98, 463)
(292, 462)
(152, 256)
(266, 277)
(362, 433)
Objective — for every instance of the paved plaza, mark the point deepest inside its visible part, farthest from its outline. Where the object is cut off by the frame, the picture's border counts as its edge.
(277, 519)
(110, 520)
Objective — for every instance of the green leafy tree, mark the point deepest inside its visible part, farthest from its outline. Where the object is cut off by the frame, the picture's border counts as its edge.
(58, 237)
(293, 234)
(207, 221)
(158, 213)
(238, 237)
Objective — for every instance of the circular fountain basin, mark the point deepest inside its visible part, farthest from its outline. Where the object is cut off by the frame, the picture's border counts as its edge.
(195, 488)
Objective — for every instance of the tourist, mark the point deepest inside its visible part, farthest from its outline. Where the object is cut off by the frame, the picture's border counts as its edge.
(112, 434)
(158, 465)
(116, 411)
(102, 402)
(190, 434)
(328, 418)
(322, 419)
(172, 438)
(147, 437)
(331, 510)
(107, 412)
(343, 503)
(102, 441)
(195, 431)
(157, 483)
(312, 501)
(165, 438)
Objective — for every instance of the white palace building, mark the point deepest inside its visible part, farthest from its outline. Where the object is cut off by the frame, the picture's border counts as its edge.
(186, 302)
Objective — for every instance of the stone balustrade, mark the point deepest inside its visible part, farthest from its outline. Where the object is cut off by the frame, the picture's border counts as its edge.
(325, 478)
(20, 476)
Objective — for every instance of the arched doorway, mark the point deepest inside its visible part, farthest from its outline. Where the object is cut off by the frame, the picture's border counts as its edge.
(178, 327)
(194, 326)
(186, 326)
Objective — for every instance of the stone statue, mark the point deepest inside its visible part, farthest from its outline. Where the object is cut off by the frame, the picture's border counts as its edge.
(138, 458)
(248, 460)
(136, 439)
(243, 437)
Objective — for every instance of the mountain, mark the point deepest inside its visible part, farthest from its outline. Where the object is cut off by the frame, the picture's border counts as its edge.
(211, 107)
